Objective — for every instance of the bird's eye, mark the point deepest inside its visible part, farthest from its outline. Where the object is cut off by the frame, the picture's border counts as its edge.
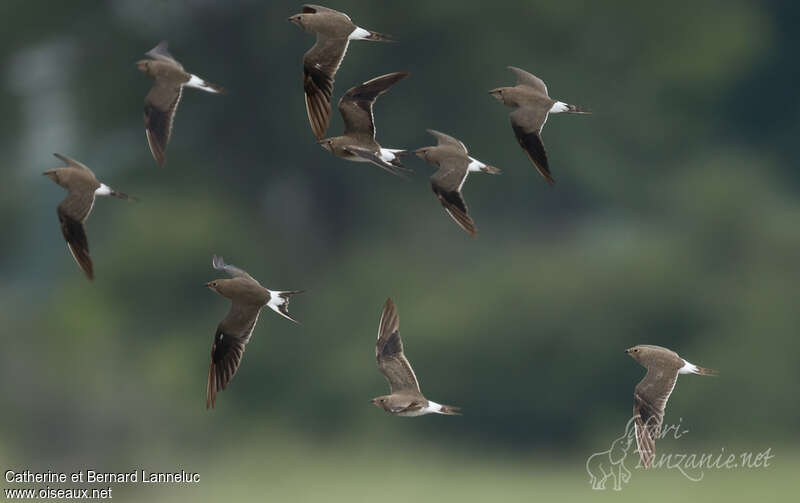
(635, 350)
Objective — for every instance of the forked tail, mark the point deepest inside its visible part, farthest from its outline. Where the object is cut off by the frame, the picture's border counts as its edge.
(705, 372)
(378, 37)
(279, 302)
(575, 109)
(449, 410)
(198, 83)
(691, 368)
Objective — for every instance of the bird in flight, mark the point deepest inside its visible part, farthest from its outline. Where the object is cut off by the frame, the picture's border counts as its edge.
(532, 105)
(405, 398)
(453, 164)
(651, 394)
(234, 331)
(82, 188)
(358, 141)
(334, 31)
(162, 101)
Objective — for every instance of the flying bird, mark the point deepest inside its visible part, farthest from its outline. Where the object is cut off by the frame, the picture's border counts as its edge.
(82, 188)
(233, 333)
(358, 142)
(651, 394)
(334, 31)
(162, 101)
(453, 164)
(532, 105)
(405, 398)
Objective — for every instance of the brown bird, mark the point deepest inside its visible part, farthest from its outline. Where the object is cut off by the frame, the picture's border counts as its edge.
(334, 31)
(651, 394)
(405, 398)
(233, 333)
(82, 187)
(532, 105)
(358, 142)
(162, 101)
(453, 165)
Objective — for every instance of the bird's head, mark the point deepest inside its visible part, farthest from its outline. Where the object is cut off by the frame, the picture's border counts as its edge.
(502, 95)
(299, 20)
(637, 352)
(382, 402)
(143, 66)
(326, 143)
(422, 153)
(221, 286)
(51, 174)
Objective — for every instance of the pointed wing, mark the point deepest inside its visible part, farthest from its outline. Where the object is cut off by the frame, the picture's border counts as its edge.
(161, 52)
(527, 79)
(232, 335)
(219, 264)
(356, 105)
(71, 214)
(160, 105)
(447, 140)
(649, 402)
(446, 184)
(320, 64)
(313, 9)
(527, 124)
(392, 361)
(73, 163)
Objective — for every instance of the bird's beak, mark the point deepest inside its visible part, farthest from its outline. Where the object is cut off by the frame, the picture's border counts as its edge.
(207, 285)
(628, 351)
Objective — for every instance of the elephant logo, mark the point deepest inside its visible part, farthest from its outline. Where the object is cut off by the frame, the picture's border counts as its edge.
(609, 464)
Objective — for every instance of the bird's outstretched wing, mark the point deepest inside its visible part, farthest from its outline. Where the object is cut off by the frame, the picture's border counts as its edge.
(161, 53)
(73, 163)
(527, 79)
(527, 124)
(160, 106)
(313, 9)
(447, 140)
(71, 214)
(391, 360)
(356, 105)
(649, 402)
(446, 184)
(219, 264)
(232, 335)
(320, 65)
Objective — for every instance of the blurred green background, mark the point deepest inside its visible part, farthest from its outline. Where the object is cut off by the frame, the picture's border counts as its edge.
(673, 222)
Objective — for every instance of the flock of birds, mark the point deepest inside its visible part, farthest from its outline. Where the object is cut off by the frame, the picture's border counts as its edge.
(334, 30)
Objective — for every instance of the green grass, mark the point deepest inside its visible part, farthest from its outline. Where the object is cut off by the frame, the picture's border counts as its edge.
(388, 474)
